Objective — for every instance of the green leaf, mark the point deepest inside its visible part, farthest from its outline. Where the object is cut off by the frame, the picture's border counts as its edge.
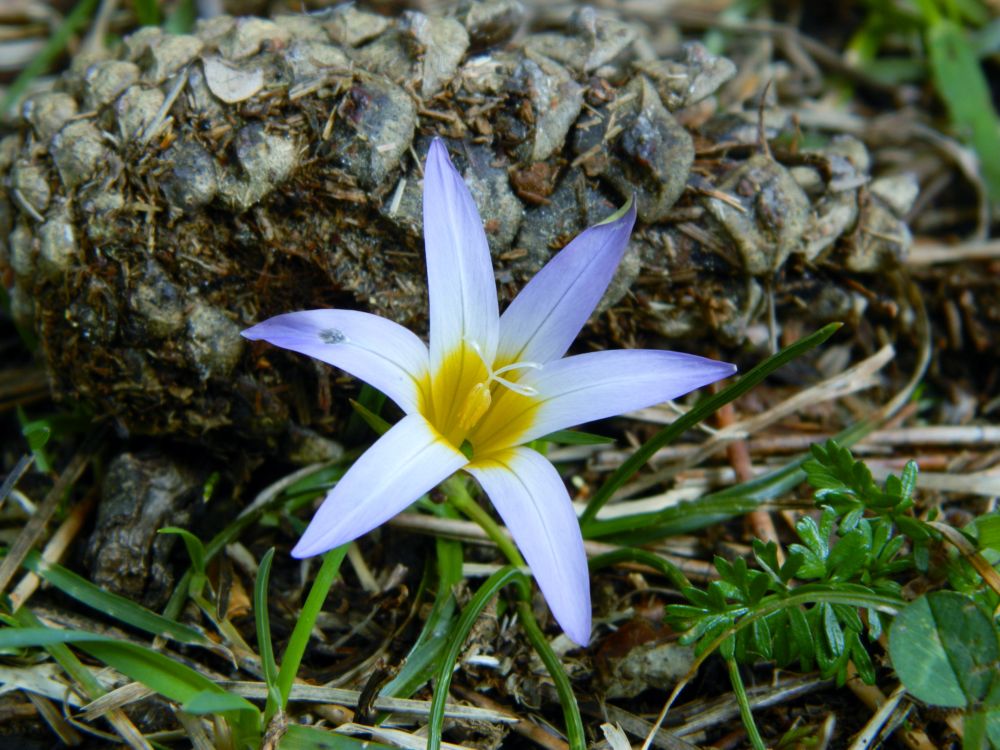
(112, 605)
(370, 418)
(960, 81)
(195, 547)
(157, 671)
(214, 702)
(576, 437)
(988, 531)
(945, 650)
(701, 410)
(302, 737)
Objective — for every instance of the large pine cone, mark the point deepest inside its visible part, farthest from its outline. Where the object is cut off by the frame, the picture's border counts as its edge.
(158, 202)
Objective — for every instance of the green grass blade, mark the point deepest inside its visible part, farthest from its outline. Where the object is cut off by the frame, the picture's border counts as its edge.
(301, 737)
(630, 554)
(264, 645)
(148, 12)
(299, 639)
(160, 673)
(63, 656)
(77, 19)
(113, 605)
(422, 660)
(571, 710)
(685, 517)
(699, 412)
(959, 79)
(470, 614)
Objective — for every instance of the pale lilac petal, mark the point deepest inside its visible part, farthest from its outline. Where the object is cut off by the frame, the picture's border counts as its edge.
(598, 385)
(463, 294)
(531, 498)
(542, 321)
(382, 353)
(406, 462)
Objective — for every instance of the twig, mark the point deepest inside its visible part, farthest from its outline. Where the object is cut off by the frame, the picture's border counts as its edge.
(468, 531)
(525, 728)
(35, 526)
(56, 547)
(930, 254)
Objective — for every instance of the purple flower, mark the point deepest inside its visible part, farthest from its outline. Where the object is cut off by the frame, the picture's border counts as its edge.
(487, 385)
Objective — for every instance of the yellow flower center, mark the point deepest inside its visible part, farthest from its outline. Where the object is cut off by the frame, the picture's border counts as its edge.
(466, 399)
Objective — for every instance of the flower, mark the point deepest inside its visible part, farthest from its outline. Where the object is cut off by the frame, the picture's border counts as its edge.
(486, 385)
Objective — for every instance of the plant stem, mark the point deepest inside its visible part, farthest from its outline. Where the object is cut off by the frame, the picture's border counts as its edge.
(292, 657)
(756, 741)
(457, 492)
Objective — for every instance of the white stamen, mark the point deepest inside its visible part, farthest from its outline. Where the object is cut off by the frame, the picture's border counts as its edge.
(493, 376)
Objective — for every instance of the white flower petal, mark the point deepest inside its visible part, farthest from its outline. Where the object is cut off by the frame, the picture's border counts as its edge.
(462, 290)
(406, 462)
(378, 351)
(598, 385)
(531, 498)
(542, 321)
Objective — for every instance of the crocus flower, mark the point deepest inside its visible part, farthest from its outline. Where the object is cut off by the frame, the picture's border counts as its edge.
(486, 385)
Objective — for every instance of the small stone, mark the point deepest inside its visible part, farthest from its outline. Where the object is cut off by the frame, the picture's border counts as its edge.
(302, 27)
(443, 41)
(94, 314)
(499, 208)
(107, 79)
(232, 83)
(31, 180)
(249, 36)
(351, 27)
(555, 100)
(136, 109)
(23, 253)
(571, 208)
(192, 181)
(637, 146)
(899, 192)
(310, 60)
(305, 447)
(213, 341)
(102, 206)
(137, 43)
(420, 47)
(78, 151)
(57, 245)
(833, 215)
(374, 127)
(157, 301)
(491, 22)
(693, 78)
(167, 54)
(48, 113)
(141, 494)
(22, 307)
(606, 37)
(263, 155)
(882, 242)
(772, 215)
(267, 160)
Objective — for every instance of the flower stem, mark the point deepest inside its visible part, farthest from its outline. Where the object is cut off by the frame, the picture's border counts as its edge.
(457, 492)
(296, 647)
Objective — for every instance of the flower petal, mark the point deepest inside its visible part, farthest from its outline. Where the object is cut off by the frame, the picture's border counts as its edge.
(376, 350)
(407, 461)
(462, 290)
(531, 498)
(592, 386)
(542, 321)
